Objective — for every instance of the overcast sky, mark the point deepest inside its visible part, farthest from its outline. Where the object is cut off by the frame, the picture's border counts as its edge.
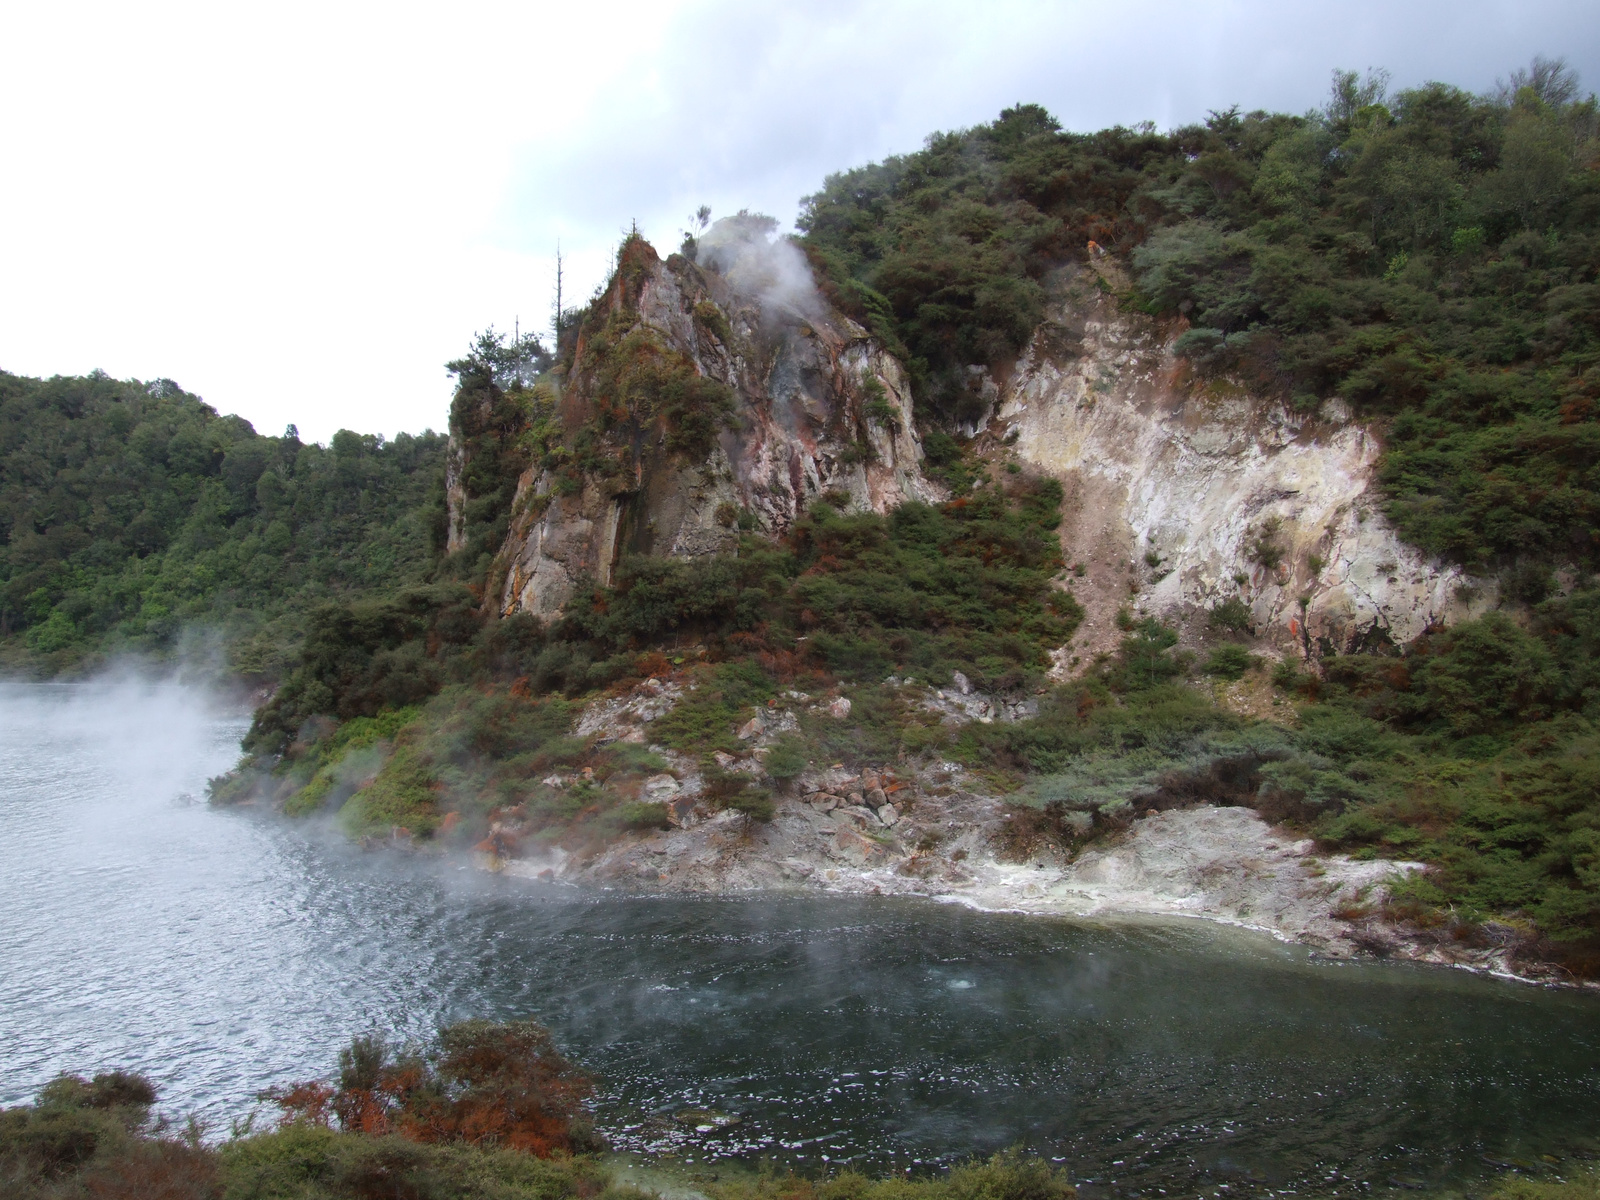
(302, 210)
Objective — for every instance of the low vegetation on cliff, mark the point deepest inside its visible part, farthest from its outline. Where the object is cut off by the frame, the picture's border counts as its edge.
(407, 709)
(1474, 750)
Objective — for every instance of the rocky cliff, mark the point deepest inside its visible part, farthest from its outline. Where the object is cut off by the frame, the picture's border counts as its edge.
(720, 393)
(705, 396)
(1183, 494)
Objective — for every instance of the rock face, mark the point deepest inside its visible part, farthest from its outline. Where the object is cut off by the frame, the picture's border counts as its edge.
(1182, 495)
(817, 406)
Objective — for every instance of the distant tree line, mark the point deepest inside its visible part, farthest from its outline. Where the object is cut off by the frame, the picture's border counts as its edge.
(130, 512)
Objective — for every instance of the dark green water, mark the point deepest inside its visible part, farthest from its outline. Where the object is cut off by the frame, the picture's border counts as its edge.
(223, 953)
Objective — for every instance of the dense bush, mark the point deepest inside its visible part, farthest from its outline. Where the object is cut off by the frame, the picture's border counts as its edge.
(1431, 257)
(947, 247)
(923, 591)
(129, 511)
(490, 1112)
(483, 1084)
(497, 400)
(358, 659)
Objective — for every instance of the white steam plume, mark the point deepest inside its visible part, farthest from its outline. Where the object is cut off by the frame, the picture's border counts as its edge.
(771, 271)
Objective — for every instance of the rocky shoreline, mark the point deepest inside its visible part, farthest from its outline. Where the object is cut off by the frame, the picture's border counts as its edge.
(935, 832)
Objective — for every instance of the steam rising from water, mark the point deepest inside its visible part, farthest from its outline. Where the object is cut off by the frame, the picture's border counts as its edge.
(145, 737)
(223, 953)
(770, 272)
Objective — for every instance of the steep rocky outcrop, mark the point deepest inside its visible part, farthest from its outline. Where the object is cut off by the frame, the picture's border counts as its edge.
(705, 397)
(1182, 494)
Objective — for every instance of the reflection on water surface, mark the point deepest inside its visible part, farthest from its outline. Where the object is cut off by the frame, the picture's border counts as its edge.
(224, 952)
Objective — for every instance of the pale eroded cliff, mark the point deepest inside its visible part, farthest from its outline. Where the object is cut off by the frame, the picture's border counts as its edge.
(1181, 494)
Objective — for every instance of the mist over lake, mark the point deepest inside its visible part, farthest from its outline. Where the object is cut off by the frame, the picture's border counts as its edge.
(222, 952)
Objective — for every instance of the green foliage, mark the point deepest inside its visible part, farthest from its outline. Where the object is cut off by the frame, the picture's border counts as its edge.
(128, 511)
(403, 796)
(706, 719)
(786, 758)
(1231, 615)
(1265, 549)
(638, 389)
(878, 406)
(946, 248)
(499, 407)
(1430, 257)
(931, 589)
(923, 591)
(1474, 751)
(1229, 661)
(738, 792)
(301, 1162)
(1008, 1176)
(465, 1119)
(1144, 659)
(96, 1138)
(644, 814)
(358, 659)
(1576, 1182)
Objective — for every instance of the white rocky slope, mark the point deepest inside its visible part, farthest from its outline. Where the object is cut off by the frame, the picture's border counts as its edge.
(938, 831)
(1174, 486)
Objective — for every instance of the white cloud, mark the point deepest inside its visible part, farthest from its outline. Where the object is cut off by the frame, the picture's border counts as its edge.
(302, 211)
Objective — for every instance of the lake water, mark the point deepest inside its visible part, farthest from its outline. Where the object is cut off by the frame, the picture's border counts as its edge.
(222, 952)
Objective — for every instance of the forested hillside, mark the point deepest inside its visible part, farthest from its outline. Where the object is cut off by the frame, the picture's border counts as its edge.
(132, 515)
(1430, 257)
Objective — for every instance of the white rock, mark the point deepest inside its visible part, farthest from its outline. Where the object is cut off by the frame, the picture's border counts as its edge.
(840, 707)
(660, 787)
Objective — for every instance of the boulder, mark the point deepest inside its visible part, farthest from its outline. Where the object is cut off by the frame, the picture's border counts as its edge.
(855, 846)
(839, 708)
(660, 787)
(888, 814)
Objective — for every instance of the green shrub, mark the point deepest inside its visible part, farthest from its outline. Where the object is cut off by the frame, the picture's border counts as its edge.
(735, 790)
(404, 795)
(1233, 615)
(786, 758)
(1229, 661)
(1458, 302)
(644, 814)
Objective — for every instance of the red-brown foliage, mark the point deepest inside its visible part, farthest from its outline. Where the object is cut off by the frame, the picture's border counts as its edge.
(156, 1170)
(486, 1084)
